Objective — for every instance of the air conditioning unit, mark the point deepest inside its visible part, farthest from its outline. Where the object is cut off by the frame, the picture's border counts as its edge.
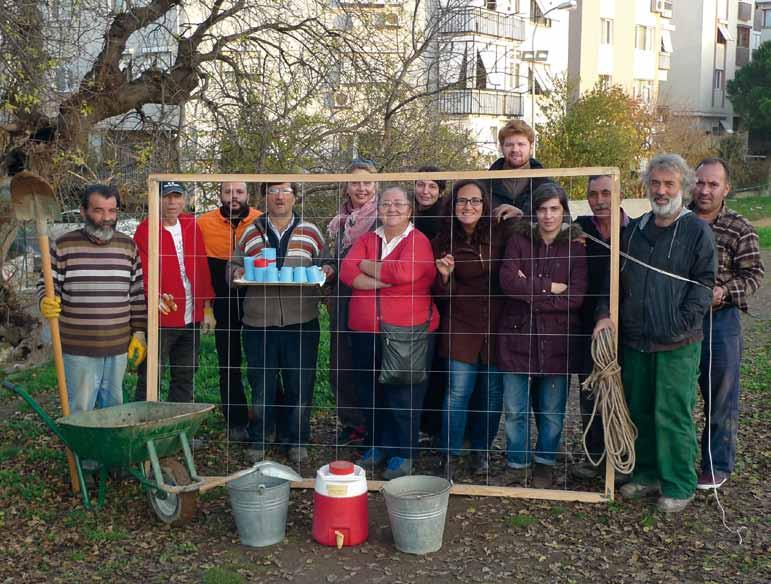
(657, 6)
(391, 19)
(340, 100)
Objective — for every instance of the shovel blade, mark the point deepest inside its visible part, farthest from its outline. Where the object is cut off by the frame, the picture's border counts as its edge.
(33, 198)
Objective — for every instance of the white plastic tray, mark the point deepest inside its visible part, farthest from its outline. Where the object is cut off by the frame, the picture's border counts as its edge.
(242, 282)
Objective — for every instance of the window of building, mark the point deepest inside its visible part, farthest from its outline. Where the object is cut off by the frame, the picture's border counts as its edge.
(643, 90)
(643, 38)
(536, 14)
(718, 79)
(666, 42)
(604, 80)
(491, 4)
(723, 36)
(767, 18)
(743, 36)
(606, 31)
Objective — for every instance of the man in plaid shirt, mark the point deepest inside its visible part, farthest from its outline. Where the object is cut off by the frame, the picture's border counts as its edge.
(740, 271)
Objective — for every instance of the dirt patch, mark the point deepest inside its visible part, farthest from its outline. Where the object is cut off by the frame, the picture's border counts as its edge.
(45, 536)
(765, 222)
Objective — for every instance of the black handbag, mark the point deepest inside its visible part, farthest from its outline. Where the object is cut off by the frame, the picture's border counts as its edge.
(404, 350)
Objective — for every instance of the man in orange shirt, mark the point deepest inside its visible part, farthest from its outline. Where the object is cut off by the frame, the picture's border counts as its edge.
(221, 229)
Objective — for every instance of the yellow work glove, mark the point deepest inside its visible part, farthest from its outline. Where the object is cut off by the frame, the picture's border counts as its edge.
(209, 322)
(51, 307)
(137, 349)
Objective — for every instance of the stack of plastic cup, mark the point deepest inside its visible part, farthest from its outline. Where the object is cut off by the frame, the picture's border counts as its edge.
(260, 267)
(249, 269)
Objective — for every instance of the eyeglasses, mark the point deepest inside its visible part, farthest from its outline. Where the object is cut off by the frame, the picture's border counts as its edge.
(389, 204)
(284, 191)
(475, 202)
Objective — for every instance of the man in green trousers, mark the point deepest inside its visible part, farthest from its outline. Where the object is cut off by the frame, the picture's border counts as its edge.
(663, 301)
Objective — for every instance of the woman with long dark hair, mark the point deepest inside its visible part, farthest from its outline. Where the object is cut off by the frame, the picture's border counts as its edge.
(468, 254)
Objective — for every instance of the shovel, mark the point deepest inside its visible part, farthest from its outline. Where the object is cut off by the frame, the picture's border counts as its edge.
(33, 199)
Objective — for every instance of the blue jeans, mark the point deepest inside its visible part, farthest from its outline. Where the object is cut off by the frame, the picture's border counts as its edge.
(473, 397)
(548, 395)
(291, 351)
(720, 433)
(94, 381)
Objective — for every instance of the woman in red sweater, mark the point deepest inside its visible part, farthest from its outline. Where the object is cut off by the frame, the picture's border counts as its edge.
(396, 264)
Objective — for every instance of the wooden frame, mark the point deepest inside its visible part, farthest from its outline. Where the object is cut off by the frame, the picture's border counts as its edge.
(462, 489)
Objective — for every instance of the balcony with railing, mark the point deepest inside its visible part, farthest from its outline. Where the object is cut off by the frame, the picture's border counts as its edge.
(665, 61)
(479, 102)
(483, 21)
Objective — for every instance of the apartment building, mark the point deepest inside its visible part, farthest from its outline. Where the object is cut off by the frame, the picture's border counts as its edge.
(492, 57)
(717, 38)
(762, 22)
(624, 42)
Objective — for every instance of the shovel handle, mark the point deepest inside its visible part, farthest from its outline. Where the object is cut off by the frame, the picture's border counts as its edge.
(56, 341)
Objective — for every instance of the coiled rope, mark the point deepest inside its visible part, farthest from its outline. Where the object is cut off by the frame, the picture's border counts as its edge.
(605, 385)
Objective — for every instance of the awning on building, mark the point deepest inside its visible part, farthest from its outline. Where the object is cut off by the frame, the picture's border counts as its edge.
(666, 42)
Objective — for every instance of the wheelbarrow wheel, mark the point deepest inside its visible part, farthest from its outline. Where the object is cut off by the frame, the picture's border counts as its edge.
(176, 508)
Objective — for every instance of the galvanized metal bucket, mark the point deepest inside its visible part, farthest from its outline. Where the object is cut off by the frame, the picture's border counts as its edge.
(417, 509)
(260, 504)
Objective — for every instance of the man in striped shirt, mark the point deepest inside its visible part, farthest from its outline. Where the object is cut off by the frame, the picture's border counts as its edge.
(739, 274)
(280, 325)
(99, 301)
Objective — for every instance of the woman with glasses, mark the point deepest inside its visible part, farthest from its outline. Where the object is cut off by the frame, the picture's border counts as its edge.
(468, 254)
(544, 277)
(391, 271)
(357, 215)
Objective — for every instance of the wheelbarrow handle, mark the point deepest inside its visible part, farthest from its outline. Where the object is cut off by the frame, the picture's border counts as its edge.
(49, 421)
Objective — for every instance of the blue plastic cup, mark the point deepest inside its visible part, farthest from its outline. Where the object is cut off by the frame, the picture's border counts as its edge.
(285, 275)
(271, 275)
(315, 275)
(249, 269)
(259, 274)
(300, 276)
(269, 253)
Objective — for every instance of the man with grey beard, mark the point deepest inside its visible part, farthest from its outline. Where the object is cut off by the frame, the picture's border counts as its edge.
(666, 282)
(99, 302)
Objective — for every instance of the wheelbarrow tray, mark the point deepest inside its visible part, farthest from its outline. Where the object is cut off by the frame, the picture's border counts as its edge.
(118, 435)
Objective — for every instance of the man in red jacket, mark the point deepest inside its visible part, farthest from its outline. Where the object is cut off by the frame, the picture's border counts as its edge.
(186, 292)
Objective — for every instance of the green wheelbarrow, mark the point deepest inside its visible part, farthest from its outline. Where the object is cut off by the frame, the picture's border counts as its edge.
(138, 437)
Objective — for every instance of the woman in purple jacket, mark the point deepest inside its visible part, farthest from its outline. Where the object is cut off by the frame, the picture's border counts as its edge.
(544, 277)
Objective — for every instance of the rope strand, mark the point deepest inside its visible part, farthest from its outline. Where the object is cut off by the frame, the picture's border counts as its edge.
(605, 385)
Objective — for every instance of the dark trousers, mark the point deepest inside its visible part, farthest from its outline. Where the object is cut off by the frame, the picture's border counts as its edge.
(179, 351)
(227, 338)
(290, 351)
(595, 438)
(436, 387)
(341, 369)
(725, 356)
(392, 412)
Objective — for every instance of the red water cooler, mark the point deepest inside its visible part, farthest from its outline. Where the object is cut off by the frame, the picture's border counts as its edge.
(340, 505)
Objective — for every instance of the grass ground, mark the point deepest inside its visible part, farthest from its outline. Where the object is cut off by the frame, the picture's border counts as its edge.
(758, 211)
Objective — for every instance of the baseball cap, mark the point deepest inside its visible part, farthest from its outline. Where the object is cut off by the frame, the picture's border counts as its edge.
(169, 187)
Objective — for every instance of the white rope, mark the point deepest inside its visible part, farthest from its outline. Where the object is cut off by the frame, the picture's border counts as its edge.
(605, 385)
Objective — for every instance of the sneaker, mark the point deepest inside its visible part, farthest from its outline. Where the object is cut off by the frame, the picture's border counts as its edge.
(397, 467)
(542, 476)
(480, 463)
(372, 457)
(635, 490)
(670, 505)
(298, 454)
(351, 435)
(255, 454)
(708, 480)
(239, 434)
(586, 470)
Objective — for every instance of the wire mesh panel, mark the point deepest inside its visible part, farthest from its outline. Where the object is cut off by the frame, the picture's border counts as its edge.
(444, 339)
